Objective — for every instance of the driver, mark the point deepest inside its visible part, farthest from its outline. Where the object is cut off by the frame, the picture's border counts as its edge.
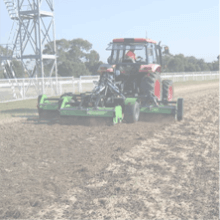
(131, 56)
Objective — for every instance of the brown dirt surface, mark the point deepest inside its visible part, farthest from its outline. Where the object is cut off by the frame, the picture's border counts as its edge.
(160, 169)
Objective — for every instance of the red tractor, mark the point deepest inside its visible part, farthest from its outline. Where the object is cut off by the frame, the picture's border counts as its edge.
(136, 64)
(141, 75)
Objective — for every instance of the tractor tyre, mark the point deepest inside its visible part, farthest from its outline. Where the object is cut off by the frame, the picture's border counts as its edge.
(179, 112)
(167, 90)
(151, 85)
(132, 113)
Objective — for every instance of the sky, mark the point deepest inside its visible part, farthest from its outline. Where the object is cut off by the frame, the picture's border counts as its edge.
(190, 27)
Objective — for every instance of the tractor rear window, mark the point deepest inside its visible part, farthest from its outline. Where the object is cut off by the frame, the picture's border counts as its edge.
(125, 47)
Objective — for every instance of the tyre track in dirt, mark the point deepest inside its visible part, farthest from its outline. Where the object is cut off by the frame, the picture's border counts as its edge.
(39, 163)
(154, 170)
(169, 178)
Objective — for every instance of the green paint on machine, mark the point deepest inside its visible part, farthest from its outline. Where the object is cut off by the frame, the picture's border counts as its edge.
(114, 113)
(159, 110)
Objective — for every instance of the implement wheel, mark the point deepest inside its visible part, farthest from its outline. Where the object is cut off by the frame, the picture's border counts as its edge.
(132, 113)
(179, 113)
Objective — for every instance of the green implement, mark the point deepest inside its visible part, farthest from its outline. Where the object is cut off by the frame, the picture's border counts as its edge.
(170, 108)
(48, 108)
(112, 114)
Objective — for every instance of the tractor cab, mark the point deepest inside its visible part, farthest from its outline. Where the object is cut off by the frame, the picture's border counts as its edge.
(134, 50)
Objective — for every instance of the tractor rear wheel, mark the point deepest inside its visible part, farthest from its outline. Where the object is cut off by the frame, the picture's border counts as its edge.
(132, 113)
(167, 90)
(151, 85)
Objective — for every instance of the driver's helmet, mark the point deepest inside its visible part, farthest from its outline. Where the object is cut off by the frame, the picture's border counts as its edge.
(130, 55)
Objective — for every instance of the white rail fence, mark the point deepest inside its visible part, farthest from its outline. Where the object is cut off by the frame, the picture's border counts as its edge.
(21, 89)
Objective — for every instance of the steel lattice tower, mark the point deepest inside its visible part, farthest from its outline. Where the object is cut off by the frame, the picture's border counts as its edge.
(34, 28)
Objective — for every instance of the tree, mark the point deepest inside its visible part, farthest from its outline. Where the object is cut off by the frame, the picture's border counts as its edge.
(78, 49)
(190, 67)
(71, 68)
(204, 67)
(176, 65)
(216, 65)
(191, 60)
(18, 68)
(197, 67)
(165, 61)
(5, 52)
(16, 64)
(93, 62)
(75, 57)
(181, 57)
(93, 68)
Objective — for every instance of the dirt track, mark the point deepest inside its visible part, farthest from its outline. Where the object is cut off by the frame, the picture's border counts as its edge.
(160, 169)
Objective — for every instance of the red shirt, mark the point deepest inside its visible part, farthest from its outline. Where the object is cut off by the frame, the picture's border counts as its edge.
(131, 55)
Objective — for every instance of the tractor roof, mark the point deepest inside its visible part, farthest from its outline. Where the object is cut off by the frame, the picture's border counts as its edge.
(133, 40)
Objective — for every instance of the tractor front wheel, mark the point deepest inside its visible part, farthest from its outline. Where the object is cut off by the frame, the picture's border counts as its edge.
(132, 113)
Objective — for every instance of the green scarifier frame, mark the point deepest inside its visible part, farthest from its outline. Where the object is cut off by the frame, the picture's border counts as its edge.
(50, 104)
(161, 109)
(115, 113)
(130, 101)
(47, 104)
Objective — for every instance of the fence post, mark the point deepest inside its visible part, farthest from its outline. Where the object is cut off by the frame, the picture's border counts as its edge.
(23, 89)
(60, 88)
(73, 84)
(79, 85)
(51, 86)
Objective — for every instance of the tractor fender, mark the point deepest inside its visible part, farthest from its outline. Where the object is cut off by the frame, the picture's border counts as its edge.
(150, 68)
